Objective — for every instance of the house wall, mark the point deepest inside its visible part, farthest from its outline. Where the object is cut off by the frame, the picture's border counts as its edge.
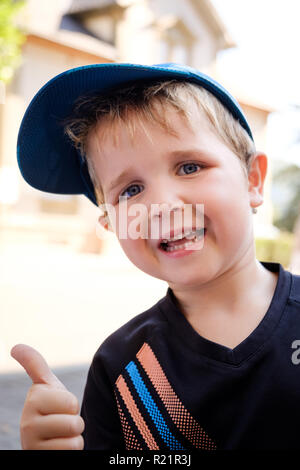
(141, 33)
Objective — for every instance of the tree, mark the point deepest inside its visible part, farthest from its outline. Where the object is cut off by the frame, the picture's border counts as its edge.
(11, 38)
(289, 219)
(289, 176)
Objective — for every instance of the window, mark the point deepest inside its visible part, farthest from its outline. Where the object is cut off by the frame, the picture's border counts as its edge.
(175, 41)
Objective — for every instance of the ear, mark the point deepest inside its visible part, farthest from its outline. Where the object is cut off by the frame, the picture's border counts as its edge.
(256, 178)
(104, 221)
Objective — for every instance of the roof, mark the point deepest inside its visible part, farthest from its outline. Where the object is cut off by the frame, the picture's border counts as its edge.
(87, 50)
(213, 19)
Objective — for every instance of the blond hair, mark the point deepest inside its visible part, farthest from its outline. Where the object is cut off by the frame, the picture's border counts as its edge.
(148, 102)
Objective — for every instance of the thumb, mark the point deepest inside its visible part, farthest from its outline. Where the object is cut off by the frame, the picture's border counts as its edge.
(35, 365)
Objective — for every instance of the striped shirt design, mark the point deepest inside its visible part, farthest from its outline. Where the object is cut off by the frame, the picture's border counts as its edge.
(151, 413)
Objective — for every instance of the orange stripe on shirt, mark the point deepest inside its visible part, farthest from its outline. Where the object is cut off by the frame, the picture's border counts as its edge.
(131, 441)
(184, 421)
(135, 413)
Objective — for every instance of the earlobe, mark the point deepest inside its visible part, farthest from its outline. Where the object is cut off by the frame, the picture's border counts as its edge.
(104, 221)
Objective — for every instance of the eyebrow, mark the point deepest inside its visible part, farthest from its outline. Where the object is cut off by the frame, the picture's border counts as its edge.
(126, 174)
(119, 179)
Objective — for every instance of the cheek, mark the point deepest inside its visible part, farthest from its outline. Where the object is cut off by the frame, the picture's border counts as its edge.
(137, 252)
(226, 191)
(128, 246)
(226, 205)
(130, 249)
(131, 222)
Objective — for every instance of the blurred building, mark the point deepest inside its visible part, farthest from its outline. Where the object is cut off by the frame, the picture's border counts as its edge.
(62, 34)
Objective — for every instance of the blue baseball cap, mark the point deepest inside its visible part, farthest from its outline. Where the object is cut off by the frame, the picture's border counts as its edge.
(46, 156)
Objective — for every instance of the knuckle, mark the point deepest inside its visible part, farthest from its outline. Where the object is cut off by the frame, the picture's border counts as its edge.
(75, 425)
(27, 427)
(24, 428)
(76, 443)
(81, 424)
(72, 426)
(31, 397)
(71, 403)
(28, 433)
(34, 397)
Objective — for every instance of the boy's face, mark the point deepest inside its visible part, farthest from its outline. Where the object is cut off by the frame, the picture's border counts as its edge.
(194, 168)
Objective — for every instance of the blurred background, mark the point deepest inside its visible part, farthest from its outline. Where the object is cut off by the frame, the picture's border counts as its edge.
(65, 284)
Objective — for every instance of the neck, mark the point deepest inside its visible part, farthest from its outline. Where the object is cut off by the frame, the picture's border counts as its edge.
(236, 300)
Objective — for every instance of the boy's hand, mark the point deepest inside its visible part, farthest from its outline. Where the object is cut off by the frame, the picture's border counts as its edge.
(50, 415)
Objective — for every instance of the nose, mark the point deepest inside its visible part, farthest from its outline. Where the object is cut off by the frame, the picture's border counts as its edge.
(161, 219)
(158, 210)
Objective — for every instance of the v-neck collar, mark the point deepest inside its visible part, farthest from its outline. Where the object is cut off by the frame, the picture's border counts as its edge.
(180, 325)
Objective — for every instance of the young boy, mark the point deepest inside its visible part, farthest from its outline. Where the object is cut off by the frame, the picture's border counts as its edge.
(213, 364)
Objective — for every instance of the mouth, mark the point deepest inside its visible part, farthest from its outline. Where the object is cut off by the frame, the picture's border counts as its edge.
(181, 240)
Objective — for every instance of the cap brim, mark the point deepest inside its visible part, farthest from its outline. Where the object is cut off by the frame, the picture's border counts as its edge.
(46, 157)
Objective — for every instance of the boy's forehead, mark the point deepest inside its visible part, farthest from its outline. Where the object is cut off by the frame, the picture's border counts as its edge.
(117, 155)
(111, 145)
(137, 127)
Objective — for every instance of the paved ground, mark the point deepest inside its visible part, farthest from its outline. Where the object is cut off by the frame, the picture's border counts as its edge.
(64, 304)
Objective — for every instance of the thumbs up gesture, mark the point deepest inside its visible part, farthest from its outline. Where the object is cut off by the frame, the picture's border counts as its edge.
(50, 417)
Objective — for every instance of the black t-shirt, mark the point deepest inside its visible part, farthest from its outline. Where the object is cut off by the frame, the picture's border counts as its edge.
(156, 384)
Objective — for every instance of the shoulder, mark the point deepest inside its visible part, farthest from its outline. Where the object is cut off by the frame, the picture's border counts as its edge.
(137, 328)
(123, 344)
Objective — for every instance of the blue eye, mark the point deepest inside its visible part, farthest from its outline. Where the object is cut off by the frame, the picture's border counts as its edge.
(133, 191)
(128, 190)
(190, 166)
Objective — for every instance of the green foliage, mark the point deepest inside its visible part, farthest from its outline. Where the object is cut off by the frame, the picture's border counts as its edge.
(11, 38)
(288, 219)
(285, 218)
(276, 250)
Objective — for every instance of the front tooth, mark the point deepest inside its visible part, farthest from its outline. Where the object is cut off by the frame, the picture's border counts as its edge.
(178, 237)
(183, 235)
(175, 238)
(190, 235)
